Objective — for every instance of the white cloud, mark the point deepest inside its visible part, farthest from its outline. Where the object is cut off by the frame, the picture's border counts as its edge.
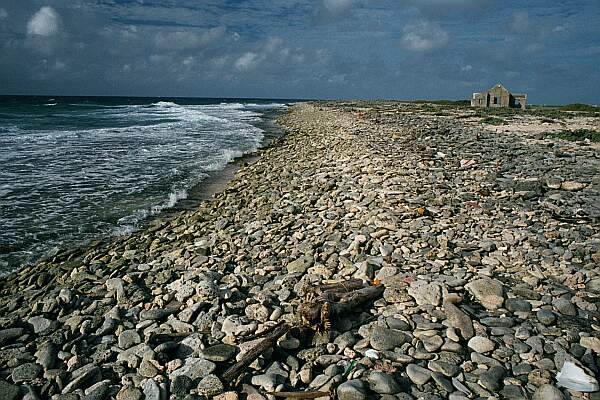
(336, 6)
(45, 22)
(424, 36)
(3, 13)
(247, 61)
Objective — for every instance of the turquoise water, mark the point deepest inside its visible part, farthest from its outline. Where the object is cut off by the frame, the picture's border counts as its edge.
(76, 168)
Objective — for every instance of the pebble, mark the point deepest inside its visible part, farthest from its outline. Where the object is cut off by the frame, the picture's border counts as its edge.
(418, 375)
(481, 344)
(547, 392)
(487, 262)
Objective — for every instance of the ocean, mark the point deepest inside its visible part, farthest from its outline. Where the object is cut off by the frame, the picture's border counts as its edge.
(74, 169)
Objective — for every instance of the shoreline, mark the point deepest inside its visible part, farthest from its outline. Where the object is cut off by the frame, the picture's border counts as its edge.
(487, 265)
(215, 182)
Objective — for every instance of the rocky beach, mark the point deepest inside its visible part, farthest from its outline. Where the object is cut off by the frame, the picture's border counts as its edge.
(480, 243)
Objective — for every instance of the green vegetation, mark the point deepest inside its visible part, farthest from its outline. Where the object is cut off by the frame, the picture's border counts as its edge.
(492, 121)
(578, 135)
(455, 103)
(580, 107)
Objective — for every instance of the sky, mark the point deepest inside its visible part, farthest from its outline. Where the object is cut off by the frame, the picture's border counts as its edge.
(393, 49)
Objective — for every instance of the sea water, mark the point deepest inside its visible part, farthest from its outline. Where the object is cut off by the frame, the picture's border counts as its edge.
(78, 168)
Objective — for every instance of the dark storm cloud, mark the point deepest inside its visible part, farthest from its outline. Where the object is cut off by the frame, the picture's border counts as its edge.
(292, 48)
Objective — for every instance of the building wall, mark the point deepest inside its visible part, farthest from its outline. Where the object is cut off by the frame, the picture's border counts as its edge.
(498, 96)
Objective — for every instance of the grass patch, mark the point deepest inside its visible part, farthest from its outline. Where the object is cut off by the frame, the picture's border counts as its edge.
(578, 135)
(492, 121)
(580, 107)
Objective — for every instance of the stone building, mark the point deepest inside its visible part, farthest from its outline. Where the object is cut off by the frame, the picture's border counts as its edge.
(499, 96)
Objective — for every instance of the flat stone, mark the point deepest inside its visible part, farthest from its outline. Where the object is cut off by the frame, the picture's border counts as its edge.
(40, 324)
(432, 343)
(443, 367)
(194, 368)
(547, 392)
(487, 291)
(46, 355)
(210, 385)
(9, 335)
(565, 307)
(591, 343)
(352, 390)
(481, 344)
(426, 293)
(383, 383)
(546, 317)
(219, 352)
(129, 338)
(386, 339)
(418, 375)
(151, 390)
(181, 385)
(300, 265)
(97, 391)
(81, 376)
(459, 320)
(516, 305)
(156, 313)
(8, 391)
(26, 372)
(129, 393)
(492, 378)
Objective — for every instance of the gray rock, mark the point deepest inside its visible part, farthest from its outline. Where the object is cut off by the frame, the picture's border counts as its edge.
(383, 383)
(546, 317)
(547, 392)
(81, 376)
(426, 293)
(512, 392)
(352, 390)
(386, 339)
(181, 385)
(129, 393)
(8, 391)
(481, 344)
(492, 378)
(40, 324)
(219, 353)
(129, 338)
(151, 390)
(26, 372)
(459, 320)
(46, 355)
(98, 391)
(487, 291)
(565, 307)
(9, 335)
(517, 305)
(593, 285)
(300, 265)
(156, 313)
(418, 375)
(210, 385)
(194, 368)
(443, 367)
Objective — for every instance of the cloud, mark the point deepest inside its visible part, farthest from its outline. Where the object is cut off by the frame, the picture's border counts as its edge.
(424, 36)
(3, 13)
(45, 22)
(247, 61)
(187, 39)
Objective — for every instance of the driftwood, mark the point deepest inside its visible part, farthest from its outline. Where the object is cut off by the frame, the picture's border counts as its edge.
(320, 304)
(268, 342)
(325, 302)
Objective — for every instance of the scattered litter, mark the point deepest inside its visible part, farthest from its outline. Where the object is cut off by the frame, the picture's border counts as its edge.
(372, 354)
(574, 377)
(467, 163)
